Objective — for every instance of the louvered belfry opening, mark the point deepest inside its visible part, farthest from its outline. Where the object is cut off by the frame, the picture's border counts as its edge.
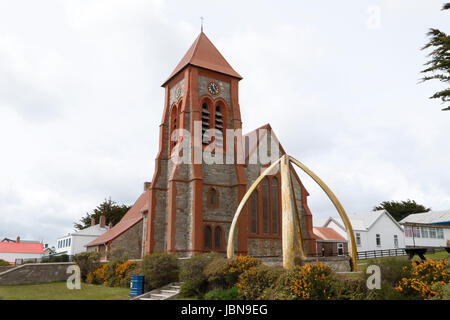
(206, 119)
(219, 127)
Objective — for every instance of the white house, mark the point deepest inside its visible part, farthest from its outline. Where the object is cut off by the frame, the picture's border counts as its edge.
(74, 243)
(376, 230)
(428, 229)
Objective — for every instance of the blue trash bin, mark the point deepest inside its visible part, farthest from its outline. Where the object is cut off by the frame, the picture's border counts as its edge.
(136, 285)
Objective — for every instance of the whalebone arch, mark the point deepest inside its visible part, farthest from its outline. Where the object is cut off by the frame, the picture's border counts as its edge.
(292, 238)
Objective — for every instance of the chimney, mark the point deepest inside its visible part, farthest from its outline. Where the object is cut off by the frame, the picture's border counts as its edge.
(92, 221)
(102, 221)
(46, 245)
(110, 225)
(18, 239)
(147, 185)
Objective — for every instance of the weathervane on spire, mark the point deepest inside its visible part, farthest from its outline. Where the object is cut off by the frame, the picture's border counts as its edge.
(201, 28)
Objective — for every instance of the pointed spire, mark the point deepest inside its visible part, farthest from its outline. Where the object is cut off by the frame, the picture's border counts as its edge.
(204, 54)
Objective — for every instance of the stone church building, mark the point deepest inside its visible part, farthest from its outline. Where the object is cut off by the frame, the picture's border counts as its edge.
(188, 207)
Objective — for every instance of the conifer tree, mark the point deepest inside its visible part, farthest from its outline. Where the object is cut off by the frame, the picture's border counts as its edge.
(438, 67)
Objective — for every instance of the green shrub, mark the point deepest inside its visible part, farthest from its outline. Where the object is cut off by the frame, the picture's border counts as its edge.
(353, 289)
(195, 282)
(308, 282)
(125, 280)
(442, 291)
(159, 269)
(254, 281)
(391, 269)
(420, 277)
(228, 294)
(88, 262)
(115, 273)
(4, 263)
(224, 273)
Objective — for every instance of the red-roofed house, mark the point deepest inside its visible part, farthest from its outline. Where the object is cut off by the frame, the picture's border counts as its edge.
(12, 251)
(126, 234)
(329, 242)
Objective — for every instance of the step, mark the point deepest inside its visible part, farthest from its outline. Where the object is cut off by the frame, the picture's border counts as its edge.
(175, 287)
(159, 296)
(168, 291)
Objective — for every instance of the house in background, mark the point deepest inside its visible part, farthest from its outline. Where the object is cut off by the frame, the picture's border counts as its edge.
(19, 251)
(376, 230)
(329, 242)
(428, 229)
(128, 233)
(74, 243)
(48, 251)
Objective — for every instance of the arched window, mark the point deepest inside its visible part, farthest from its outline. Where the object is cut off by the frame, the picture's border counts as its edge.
(213, 198)
(254, 212)
(265, 205)
(275, 205)
(217, 238)
(207, 238)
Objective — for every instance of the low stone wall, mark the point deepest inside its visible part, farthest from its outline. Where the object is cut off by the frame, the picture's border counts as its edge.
(3, 269)
(33, 273)
(338, 264)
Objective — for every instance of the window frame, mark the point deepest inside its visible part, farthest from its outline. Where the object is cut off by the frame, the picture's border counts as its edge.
(358, 239)
(378, 239)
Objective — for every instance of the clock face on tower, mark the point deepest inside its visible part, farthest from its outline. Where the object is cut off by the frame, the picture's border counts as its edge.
(213, 88)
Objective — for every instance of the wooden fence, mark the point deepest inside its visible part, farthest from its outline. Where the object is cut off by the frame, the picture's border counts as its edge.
(380, 253)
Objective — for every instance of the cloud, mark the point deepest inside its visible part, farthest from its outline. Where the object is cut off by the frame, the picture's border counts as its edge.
(81, 102)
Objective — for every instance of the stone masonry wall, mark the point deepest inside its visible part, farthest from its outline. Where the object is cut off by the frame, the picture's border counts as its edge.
(35, 273)
(131, 240)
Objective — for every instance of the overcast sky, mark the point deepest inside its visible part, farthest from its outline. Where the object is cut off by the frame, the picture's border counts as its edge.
(81, 99)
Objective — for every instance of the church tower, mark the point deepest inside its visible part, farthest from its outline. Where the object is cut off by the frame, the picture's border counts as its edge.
(192, 203)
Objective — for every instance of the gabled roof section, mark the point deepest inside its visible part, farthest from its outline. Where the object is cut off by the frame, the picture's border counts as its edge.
(366, 220)
(337, 223)
(432, 217)
(204, 54)
(21, 247)
(327, 234)
(133, 216)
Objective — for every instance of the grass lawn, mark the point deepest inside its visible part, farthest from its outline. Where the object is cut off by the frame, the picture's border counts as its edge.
(438, 255)
(363, 264)
(59, 291)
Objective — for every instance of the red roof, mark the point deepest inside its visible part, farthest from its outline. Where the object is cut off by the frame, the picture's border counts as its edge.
(132, 217)
(324, 233)
(21, 247)
(204, 54)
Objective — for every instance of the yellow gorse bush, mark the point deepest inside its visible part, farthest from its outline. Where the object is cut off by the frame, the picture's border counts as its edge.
(420, 278)
(122, 268)
(239, 264)
(100, 275)
(312, 281)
